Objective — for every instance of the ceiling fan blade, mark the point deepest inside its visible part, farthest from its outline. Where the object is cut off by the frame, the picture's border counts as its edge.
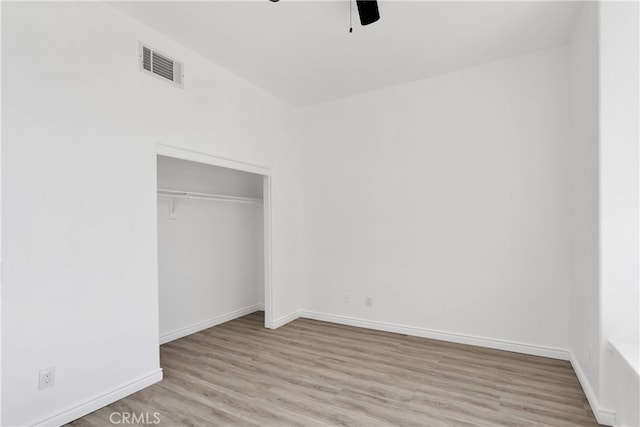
(368, 11)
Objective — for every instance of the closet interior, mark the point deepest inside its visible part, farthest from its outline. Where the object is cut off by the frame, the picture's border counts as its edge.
(210, 245)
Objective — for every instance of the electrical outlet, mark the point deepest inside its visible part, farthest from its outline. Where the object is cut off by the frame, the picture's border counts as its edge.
(47, 378)
(346, 299)
(368, 301)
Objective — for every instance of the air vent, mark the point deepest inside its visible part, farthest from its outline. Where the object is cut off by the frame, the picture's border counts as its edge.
(160, 65)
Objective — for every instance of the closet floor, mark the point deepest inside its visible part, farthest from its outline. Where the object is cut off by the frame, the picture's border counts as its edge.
(310, 373)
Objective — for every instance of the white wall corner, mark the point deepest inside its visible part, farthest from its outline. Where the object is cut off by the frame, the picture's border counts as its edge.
(283, 320)
(101, 401)
(603, 416)
(200, 326)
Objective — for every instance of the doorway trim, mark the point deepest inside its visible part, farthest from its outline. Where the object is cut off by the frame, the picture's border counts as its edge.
(211, 159)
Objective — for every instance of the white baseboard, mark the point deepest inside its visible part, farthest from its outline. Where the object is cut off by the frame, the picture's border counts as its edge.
(200, 326)
(102, 400)
(283, 320)
(517, 347)
(603, 416)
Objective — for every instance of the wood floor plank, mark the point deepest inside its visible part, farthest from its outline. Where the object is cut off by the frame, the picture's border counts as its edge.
(312, 373)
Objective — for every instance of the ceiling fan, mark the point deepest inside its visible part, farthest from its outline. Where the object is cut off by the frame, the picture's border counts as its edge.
(367, 9)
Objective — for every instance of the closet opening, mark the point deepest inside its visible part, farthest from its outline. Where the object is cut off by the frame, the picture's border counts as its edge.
(213, 242)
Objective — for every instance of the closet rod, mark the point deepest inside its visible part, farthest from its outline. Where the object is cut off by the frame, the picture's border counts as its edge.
(178, 194)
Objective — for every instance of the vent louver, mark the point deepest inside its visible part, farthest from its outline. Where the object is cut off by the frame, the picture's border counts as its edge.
(146, 58)
(160, 65)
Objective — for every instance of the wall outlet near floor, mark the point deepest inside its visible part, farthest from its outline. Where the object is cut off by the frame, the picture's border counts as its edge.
(346, 298)
(368, 301)
(47, 378)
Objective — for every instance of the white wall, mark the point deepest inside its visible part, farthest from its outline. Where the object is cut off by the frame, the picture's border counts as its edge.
(585, 310)
(619, 184)
(604, 152)
(210, 255)
(1, 133)
(447, 201)
(79, 135)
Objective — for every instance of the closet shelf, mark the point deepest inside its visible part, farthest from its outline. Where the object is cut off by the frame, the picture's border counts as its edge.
(179, 194)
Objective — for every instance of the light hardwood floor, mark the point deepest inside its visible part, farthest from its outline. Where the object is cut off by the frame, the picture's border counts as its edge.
(311, 373)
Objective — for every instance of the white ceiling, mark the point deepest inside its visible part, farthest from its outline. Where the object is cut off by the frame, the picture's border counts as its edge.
(301, 51)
